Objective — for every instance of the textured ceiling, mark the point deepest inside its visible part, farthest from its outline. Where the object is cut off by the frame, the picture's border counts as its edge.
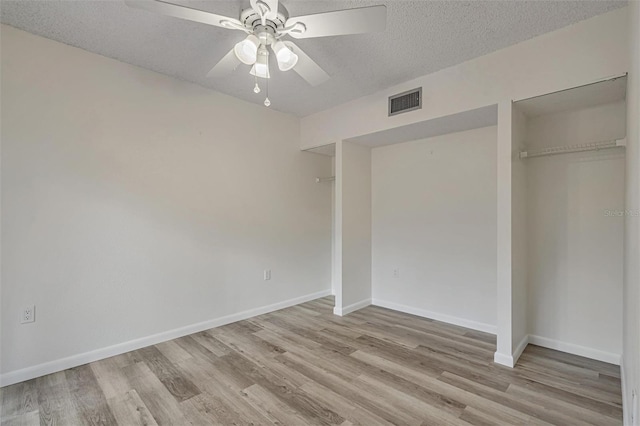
(421, 37)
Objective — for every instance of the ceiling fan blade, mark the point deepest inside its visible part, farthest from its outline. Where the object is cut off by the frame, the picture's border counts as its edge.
(341, 22)
(271, 4)
(183, 12)
(225, 66)
(307, 68)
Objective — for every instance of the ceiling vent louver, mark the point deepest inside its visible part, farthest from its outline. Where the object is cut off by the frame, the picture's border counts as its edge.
(405, 101)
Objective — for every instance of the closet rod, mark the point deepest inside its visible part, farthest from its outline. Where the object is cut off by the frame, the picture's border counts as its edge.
(596, 146)
(325, 179)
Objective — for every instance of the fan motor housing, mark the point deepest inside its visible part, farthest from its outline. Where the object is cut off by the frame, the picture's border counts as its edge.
(265, 33)
(251, 20)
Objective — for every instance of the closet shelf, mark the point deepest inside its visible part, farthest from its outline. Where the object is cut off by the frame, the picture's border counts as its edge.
(596, 146)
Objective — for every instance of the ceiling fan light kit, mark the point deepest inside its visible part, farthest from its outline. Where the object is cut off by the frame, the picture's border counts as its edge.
(247, 50)
(266, 22)
(286, 58)
(261, 66)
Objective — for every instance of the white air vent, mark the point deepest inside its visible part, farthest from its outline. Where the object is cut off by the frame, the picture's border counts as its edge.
(405, 101)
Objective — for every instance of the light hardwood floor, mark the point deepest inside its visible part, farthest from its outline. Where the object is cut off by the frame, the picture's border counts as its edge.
(303, 365)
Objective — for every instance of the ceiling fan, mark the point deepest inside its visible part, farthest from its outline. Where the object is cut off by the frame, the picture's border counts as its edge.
(266, 23)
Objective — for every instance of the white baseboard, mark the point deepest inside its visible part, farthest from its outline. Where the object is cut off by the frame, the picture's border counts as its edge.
(520, 348)
(626, 404)
(351, 308)
(474, 325)
(32, 372)
(511, 360)
(630, 409)
(570, 348)
(503, 359)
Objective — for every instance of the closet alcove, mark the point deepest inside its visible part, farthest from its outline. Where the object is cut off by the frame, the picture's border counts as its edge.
(423, 224)
(567, 219)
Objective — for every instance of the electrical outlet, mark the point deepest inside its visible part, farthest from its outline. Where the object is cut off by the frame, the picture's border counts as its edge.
(396, 273)
(267, 274)
(28, 314)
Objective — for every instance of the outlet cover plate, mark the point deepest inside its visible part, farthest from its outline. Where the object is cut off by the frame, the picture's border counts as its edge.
(28, 314)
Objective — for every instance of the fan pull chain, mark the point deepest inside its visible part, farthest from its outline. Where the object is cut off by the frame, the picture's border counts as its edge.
(267, 102)
(256, 89)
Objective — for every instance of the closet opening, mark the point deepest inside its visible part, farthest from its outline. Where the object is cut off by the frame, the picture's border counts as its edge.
(568, 182)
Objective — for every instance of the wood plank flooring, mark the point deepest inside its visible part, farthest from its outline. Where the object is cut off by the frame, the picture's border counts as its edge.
(303, 365)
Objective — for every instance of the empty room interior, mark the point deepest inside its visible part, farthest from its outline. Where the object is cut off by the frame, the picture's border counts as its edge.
(253, 212)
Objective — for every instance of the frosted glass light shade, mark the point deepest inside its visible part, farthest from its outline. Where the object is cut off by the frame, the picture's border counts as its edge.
(247, 50)
(261, 67)
(285, 56)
